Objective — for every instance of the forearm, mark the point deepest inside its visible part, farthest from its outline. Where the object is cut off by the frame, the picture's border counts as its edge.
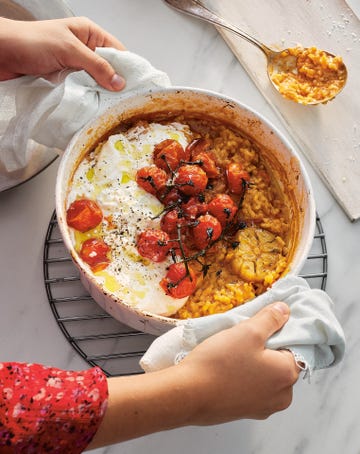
(44, 408)
(144, 404)
(7, 36)
(5, 30)
(228, 376)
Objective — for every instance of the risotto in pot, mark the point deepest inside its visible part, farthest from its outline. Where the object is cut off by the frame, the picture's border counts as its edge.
(180, 217)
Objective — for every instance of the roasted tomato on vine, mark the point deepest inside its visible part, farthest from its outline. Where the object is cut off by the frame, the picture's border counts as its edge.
(95, 252)
(168, 154)
(223, 208)
(171, 220)
(206, 230)
(237, 178)
(208, 164)
(169, 196)
(191, 179)
(179, 282)
(152, 179)
(180, 249)
(83, 215)
(194, 208)
(200, 153)
(153, 244)
(198, 146)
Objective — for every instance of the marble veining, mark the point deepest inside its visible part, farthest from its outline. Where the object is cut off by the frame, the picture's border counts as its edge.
(324, 416)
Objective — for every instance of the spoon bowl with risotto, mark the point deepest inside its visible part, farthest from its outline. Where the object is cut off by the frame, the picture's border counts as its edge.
(307, 75)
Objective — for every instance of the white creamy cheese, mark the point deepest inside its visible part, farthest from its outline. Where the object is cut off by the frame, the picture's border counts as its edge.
(108, 177)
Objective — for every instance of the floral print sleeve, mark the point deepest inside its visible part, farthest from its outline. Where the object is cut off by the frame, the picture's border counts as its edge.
(48, 410)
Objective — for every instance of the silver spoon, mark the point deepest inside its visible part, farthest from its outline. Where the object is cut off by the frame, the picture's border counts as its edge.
(280, 64)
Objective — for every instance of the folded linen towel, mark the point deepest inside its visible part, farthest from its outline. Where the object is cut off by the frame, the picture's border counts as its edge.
(51, 111)
(312, 333)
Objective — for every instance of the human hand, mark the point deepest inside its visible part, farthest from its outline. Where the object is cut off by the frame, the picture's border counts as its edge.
(234, 376)
(42, 47)
(229, 376)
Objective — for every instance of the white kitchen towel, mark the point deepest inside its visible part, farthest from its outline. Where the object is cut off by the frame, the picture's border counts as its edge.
(50, 111)
(312, 333)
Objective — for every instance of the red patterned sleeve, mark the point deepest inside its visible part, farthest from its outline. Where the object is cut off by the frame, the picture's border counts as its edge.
(48, 410)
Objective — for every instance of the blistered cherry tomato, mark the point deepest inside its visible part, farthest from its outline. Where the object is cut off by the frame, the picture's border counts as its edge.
(171, 220)
(95, 252)
(194, 208)
(236, 177)
(152, 179)
(223, 208)
(207, 230)
(200, 152)
(177, 283)
(83, 215)
(169, 197)
(153, 244)
(207, 163)
(191, 179)
(168, 154)
(198, 146)
(184, 250)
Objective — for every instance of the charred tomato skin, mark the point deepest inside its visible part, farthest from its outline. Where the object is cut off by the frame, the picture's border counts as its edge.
(194, 208)
(169, 196)
(191, 179)
(153, 244)
(198, 145)
(179, 281)
(207, 230)
(171, 220)
(168, 155)
(207, 163)
(151, 179)
(223, 208)
(236, 177)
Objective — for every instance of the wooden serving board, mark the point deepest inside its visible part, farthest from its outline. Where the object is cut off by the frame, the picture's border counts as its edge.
(328, 135)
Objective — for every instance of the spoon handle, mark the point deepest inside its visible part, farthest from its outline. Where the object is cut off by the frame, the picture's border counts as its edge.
(196, 9)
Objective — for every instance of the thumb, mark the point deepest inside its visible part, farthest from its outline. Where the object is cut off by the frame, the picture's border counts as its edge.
(270, 319)
(98, 68)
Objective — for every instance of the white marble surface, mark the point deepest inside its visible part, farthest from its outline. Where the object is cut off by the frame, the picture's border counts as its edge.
(324, 416)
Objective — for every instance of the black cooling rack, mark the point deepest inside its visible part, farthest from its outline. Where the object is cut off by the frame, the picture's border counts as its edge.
(103, 341)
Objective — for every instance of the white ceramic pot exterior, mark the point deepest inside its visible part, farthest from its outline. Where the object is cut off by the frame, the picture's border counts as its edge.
(278, 153)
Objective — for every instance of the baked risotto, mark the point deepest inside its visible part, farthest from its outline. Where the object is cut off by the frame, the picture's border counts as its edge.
(179, 217)
(318, 76)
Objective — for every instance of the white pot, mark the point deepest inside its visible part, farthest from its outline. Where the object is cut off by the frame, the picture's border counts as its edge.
(277, 151)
